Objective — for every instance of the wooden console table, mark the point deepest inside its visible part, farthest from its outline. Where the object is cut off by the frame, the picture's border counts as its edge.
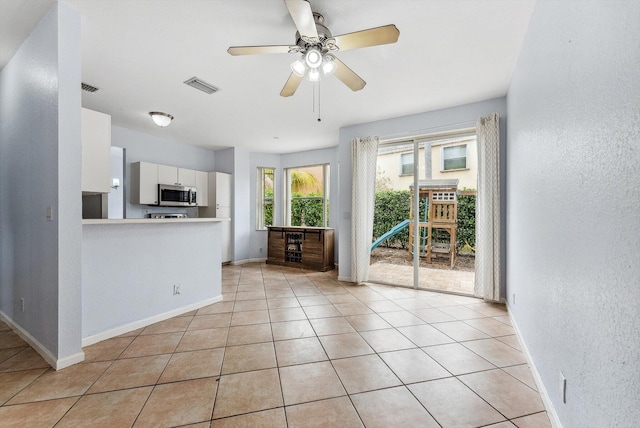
(302, 247)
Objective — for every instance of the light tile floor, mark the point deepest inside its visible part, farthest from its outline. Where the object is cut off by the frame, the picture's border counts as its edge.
(288, 348)
(456, 281)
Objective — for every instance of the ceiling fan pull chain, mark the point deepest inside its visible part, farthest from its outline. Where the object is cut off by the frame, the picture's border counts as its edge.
(319, 119)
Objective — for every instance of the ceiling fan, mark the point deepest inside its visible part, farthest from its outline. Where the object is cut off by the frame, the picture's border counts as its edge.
(316, 44)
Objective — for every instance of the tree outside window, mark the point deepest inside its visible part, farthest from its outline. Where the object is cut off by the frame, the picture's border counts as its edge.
(307, 196)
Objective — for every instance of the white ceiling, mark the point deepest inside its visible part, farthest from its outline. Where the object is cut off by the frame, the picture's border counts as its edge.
(138, 52)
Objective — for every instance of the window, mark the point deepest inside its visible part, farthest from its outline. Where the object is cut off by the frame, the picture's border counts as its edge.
(307, 201)
(264, 199)
(406, 164)
(454, 157)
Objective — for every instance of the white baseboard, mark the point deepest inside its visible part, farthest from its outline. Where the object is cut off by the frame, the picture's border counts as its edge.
(69, 361)
(548, 405)
(56, 363)
(344, 278)
(245, 261)
(90, 340)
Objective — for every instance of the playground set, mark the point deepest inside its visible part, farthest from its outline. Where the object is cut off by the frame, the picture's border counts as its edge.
(437, 230)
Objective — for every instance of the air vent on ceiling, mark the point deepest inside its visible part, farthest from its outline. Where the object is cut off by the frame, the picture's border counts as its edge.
(89, 88)
(201, 85)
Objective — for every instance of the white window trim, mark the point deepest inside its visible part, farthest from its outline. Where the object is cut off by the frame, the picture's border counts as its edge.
(466, 157)
(408, 174)
(260, 196)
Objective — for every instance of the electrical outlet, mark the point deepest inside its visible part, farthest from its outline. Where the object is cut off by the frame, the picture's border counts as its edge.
(49, 213)
(513, 300)
(563, 388)
(22, 304)
(260, 249)
(176, 290)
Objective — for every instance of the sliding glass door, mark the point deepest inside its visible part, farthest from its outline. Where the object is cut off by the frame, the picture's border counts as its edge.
(420, 185)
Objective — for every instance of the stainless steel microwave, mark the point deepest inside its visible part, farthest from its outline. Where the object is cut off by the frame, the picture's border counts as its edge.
(176, 196)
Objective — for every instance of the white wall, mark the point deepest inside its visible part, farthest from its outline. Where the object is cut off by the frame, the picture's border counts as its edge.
(115, 197)
(573, 217)
(129, 271)
(40, 153)
(148, 148)
(423, 123)
(237, 161)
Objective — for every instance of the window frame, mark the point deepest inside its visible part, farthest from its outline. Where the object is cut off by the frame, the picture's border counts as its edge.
(261, 200)
(324, 197)
(466, 157)
(402, 164)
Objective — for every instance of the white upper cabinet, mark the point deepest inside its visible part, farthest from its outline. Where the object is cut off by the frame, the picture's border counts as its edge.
(167, 174)
(96, 151)
(144, 183)
(176, 176)
(202, 189)
(186, 177)
(221, 188)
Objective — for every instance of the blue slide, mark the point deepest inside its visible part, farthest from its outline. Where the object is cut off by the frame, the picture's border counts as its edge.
(394, 230)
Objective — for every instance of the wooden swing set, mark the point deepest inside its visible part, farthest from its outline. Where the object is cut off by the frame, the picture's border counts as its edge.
(440, 217)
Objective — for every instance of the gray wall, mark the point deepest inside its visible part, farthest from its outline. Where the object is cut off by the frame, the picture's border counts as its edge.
(259, 237)
(40, 155)
(464, 116)
(115, 256)
(573, 207)
(148, 148)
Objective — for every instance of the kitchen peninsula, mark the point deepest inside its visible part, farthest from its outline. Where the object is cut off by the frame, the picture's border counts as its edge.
(136, 272)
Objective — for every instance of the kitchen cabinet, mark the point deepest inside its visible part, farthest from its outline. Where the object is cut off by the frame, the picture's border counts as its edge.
(219, 206)
(176, 176)
(220, 190)
(144, 183)
(202, 189)
(96, 151)
(302, 247)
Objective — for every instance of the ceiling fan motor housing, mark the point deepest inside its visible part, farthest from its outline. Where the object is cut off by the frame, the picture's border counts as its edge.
(325, 42)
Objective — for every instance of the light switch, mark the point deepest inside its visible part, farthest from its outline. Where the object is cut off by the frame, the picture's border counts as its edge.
(50, 213)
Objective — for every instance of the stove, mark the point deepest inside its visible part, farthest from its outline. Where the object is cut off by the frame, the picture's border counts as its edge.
(168, 215)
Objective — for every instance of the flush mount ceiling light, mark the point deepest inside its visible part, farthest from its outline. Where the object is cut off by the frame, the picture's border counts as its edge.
(161, 119)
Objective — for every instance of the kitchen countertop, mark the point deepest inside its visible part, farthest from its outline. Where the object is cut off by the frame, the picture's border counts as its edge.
(153, 220)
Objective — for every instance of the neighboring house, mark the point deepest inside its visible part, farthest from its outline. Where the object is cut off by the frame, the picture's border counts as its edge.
(395, 167)
(455, 157)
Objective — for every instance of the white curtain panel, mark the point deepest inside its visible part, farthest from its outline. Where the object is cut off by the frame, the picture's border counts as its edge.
(487, 280)
(364, 155)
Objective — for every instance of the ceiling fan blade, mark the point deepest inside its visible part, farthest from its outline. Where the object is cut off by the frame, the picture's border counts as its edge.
(300, 11)
(291, 86)
(258, 50)
(347, 76)
(365, 38)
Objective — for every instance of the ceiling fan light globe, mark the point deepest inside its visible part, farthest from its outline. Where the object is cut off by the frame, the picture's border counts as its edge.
(298, 67)
(328, 66)
(313, 58)
(314, 75)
